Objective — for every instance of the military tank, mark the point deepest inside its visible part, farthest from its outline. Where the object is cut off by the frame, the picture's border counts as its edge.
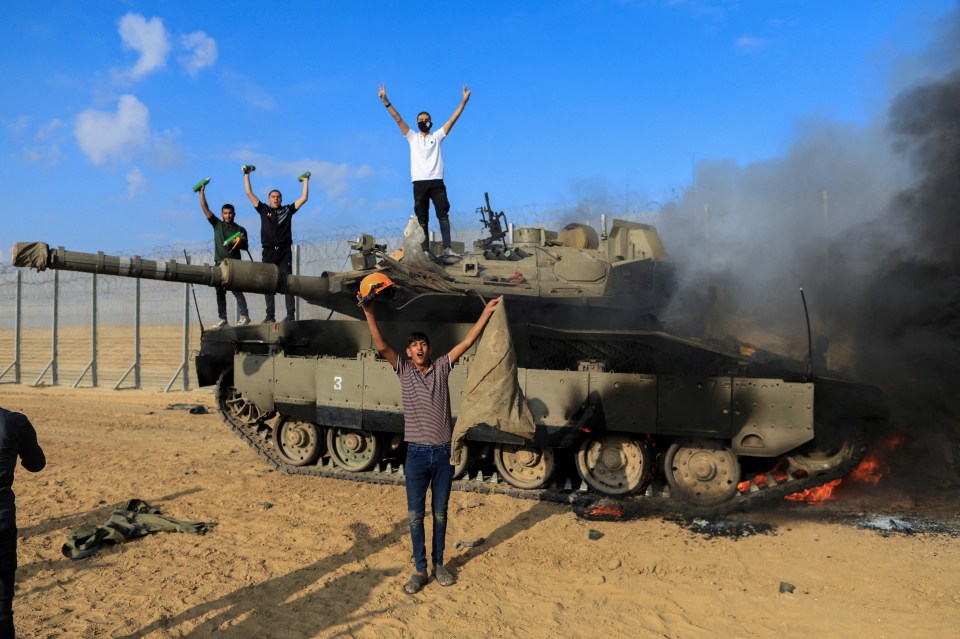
(622, 407)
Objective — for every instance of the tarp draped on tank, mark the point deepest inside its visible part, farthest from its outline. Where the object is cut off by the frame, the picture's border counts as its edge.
(30, 254)
(492, 394)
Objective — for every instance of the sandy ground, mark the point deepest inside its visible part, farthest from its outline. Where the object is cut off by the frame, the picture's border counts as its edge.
(328, 558)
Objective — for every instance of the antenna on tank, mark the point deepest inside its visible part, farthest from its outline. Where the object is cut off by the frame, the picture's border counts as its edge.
(806, 314)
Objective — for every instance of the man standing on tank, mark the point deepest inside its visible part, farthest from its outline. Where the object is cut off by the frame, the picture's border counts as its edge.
(276, 237)
(17, 439)
(427, 430)
(426, 167)
(222, 231)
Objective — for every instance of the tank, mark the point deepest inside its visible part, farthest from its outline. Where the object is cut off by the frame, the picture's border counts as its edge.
(622, 407)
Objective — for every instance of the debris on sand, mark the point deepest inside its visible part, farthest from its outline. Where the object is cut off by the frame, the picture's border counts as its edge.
(721, 527)
(887, 525)
(193, 409)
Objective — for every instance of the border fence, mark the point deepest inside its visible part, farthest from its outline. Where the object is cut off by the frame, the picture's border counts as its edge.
(87, 330)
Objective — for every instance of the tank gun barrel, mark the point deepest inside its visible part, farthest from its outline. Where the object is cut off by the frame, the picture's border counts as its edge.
(233, 275)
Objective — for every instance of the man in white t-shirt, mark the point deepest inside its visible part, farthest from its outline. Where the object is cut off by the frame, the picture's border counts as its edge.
(426, 167)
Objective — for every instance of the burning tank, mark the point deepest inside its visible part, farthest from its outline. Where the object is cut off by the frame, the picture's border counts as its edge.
(632, 408)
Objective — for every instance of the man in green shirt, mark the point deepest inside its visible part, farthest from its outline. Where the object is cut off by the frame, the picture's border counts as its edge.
(223, 230)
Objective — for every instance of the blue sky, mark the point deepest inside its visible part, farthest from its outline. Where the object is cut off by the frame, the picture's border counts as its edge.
(114, 110)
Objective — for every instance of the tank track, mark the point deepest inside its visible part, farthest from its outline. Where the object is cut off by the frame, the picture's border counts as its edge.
(655, 498)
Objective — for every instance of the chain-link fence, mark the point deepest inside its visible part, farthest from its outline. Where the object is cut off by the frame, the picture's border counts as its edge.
(59, 327)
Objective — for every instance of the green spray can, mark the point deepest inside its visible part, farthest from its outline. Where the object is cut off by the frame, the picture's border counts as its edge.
(247, 168)
(303, 176)
(199, 185)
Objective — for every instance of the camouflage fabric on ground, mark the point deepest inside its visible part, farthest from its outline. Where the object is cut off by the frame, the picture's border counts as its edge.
(131, 519)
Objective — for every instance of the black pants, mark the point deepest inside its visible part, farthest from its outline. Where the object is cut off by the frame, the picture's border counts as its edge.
(8, 573)
(423, 192)
(283, 258)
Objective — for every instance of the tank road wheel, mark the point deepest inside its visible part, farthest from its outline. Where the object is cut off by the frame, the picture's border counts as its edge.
(524, 466)
(353, 450)
(828, 449)
(614, 464)
(702, 472)
(236, 409)
(297, 443)
(469, 459)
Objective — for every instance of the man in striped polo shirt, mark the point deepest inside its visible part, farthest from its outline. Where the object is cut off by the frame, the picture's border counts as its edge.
(427, 429)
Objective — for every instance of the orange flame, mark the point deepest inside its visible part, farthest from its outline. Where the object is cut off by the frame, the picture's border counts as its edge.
(871, 469)
(613, 511)
(816, 495)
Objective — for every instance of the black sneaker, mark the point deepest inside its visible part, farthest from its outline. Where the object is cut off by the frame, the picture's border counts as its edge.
(289, 318)
(269, 320)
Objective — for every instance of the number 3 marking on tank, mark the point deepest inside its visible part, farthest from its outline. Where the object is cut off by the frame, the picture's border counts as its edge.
(337, 383)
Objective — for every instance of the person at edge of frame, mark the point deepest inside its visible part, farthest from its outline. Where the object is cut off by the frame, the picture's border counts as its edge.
(17, 439)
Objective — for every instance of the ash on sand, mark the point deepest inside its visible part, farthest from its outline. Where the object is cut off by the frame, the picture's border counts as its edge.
(887, 525)
(720, 527)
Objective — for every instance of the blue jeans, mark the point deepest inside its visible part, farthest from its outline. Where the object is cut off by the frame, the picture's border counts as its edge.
(428, 465)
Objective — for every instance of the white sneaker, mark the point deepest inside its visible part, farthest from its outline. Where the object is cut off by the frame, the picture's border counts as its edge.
(243, 321)
(448, 252)
(220, 324)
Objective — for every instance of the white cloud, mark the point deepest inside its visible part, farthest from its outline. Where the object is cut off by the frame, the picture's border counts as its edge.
(335, 179)
(749, 44)
(201, 52)
(149, 39)
(102, 135)
(18, 125)
(136, 182)
(48, 130)
(243, 88)
(44, 145)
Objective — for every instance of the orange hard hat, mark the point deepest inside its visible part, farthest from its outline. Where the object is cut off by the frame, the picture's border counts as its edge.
(373, 285)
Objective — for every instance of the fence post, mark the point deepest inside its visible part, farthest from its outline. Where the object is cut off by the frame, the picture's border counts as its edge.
(135, 367)
(92, 366)
(52, 364)
(185, 363)
(15, 364)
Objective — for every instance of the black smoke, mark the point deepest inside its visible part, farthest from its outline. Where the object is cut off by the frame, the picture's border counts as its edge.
(866, 220)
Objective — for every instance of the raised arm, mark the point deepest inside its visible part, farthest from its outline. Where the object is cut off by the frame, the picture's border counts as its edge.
(253, 198)
(203, 202)
(31, 455)
(393, 112)
(378, 342)
(306, 194)
(456, 114)
(475, 331)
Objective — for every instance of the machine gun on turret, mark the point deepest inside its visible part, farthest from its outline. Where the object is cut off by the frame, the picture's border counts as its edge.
(495, 223)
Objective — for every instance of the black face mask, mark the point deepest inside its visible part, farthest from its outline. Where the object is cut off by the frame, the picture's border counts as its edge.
(425, 126)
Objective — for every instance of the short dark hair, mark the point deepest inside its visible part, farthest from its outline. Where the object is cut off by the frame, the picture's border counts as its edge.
(430, 117)
(417, 336)
(275, 191)
(223, 209)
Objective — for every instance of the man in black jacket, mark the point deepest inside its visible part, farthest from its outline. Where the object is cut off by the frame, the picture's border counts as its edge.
(17, 439)
(276, 236)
